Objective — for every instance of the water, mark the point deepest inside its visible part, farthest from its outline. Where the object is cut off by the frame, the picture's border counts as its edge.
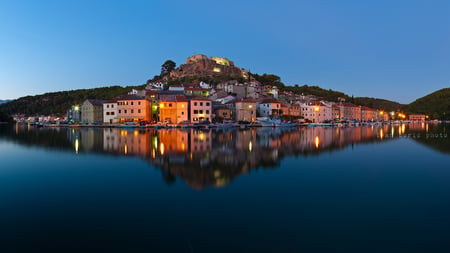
(366, 189)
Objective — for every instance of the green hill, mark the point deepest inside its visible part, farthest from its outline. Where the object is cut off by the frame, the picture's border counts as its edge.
(58, 103)
(436, 104)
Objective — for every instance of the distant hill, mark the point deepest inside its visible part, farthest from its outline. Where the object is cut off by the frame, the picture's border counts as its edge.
(436, 104)
(4, 101)
(59, 102)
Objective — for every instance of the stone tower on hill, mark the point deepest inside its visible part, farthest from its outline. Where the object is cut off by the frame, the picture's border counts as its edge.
(202, 66)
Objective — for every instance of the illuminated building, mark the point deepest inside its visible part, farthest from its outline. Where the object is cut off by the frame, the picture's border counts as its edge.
(173, 109)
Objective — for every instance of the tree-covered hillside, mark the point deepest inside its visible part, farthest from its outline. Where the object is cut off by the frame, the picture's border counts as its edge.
(436, 104)
(58, 103)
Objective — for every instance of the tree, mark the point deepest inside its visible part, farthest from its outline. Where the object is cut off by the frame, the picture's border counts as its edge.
(167, 67)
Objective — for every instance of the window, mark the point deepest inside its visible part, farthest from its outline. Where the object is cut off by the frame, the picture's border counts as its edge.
(139, 102)
(120, 111)
(195, 103)
(170, 104)
(125, 111)
(182, 113)
(201, 103)
(112, 113)
(139, 110)
(201, 111)
(132, 103)
(132, 110)
(112, 106)
(207, 111)
(207, 103)
(195, 111)
(107, 113)
(107, 106)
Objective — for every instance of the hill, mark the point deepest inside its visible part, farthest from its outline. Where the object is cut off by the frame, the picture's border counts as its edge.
(58, 103)
(436, 104)
(4, 101)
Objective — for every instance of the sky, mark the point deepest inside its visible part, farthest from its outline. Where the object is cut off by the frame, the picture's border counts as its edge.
(397, 50)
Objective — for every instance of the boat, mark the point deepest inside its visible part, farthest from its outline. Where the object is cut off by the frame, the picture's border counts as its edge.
(270, 122)
(226, 124)
(129, 124)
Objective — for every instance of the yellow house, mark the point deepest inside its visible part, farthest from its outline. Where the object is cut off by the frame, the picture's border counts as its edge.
(174, 110)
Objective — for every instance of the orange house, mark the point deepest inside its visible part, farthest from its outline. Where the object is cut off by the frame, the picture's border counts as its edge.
(174, 110)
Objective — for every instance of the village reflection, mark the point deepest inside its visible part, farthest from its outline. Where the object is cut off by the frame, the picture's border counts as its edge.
(205, 158)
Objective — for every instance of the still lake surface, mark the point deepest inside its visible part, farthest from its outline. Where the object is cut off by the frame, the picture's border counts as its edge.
(361, 189)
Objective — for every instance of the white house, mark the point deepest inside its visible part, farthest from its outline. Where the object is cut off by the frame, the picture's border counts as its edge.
(268, 107)
(316, 112)
(110, 111)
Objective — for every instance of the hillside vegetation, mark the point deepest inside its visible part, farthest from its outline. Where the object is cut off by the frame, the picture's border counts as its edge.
(436, 104)
(58, 103)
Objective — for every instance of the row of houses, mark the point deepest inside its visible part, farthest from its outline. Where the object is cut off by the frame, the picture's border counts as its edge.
(177, 107)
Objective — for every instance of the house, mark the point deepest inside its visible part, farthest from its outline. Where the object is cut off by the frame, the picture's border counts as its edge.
(245, 109)
(292, 110)
(200, 92)
(349, 111)
(133, 108)
(110, 111)
(92, 111)
(200, 109)
(174, 110)
(417, 117)
(317, 112)
(268, 107)
(368, 114)
(223, 113)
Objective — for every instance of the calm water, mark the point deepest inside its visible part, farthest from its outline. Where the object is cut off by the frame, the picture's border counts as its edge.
(366, 189)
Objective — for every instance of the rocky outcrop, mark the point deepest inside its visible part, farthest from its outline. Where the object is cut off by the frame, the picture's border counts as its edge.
(202, 66)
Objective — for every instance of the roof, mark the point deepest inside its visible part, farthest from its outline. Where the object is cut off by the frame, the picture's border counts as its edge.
(201, 98)
(245, 100)
(269, 101)
(196, 89)
(177, 98)
(348, 104)
(367, 108)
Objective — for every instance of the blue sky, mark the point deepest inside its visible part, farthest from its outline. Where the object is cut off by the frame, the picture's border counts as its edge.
(398, 50)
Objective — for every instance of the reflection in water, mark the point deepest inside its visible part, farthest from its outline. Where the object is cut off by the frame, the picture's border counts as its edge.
(214, 158)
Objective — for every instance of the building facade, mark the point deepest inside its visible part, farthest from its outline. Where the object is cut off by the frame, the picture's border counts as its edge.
(200, 109)
(110, 112)
(174, 110)
(92, 111)
(245, 110)
(133, 108)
